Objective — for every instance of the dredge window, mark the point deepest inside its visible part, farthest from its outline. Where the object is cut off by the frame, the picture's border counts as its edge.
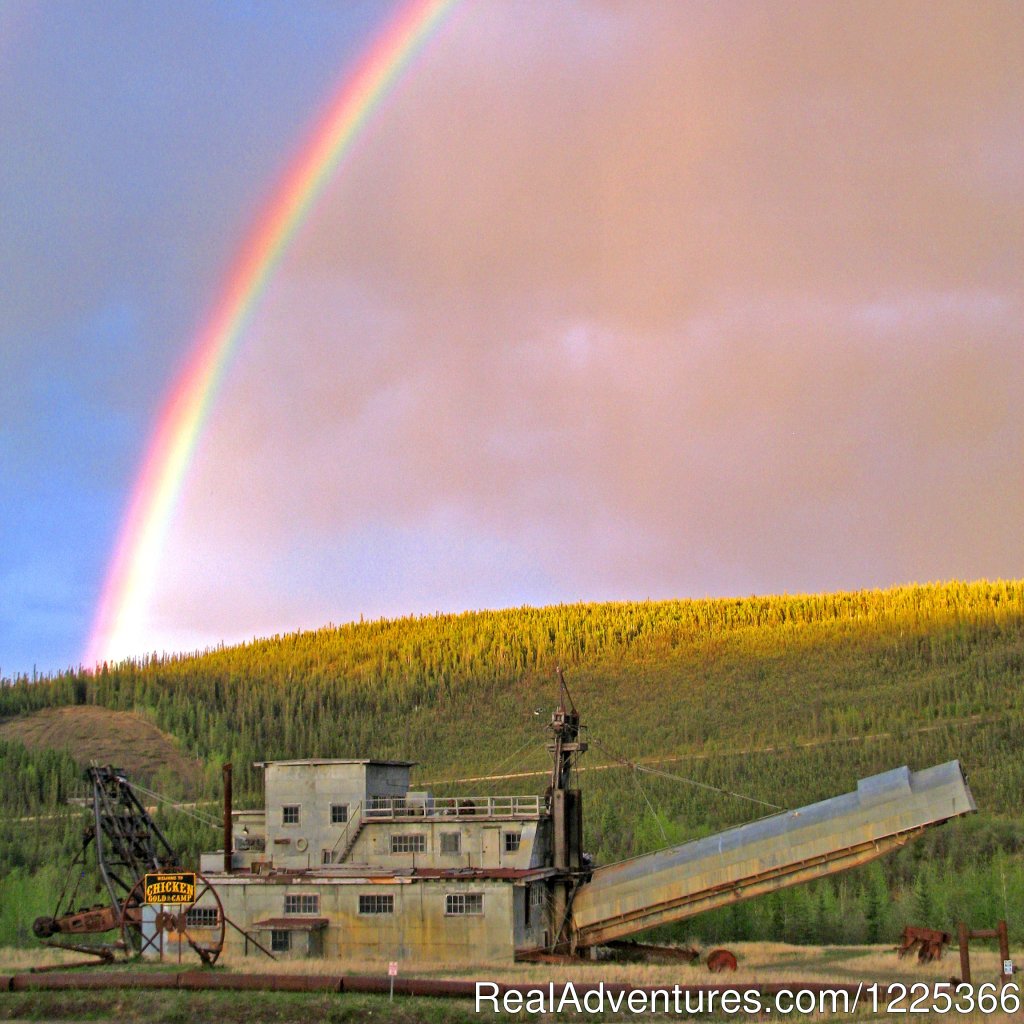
(464, 903)
(409, 844)
(451, 842)
(512, 841)
(302, 903)
(290, 814)
(280, 941)
(202, 917)
(377, 904)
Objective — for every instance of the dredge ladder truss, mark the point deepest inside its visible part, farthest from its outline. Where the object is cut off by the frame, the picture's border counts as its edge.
(785, 849)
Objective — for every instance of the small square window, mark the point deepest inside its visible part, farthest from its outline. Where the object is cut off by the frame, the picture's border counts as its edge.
(290, 814)
(280, 941)
(512, 841)
(451, 842)
(339, 814)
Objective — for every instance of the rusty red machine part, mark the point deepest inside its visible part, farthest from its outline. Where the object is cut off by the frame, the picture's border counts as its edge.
(99, 918)
(128, 845)
(929, 943)
(721, 960)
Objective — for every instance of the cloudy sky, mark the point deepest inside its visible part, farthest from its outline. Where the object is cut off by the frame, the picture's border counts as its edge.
(610, 301)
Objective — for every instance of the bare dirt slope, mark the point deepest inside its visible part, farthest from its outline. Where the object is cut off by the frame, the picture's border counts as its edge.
(89, 733)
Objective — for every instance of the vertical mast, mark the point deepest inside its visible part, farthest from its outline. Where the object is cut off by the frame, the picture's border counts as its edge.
(566, 808)
(565, 724)
(228, 837)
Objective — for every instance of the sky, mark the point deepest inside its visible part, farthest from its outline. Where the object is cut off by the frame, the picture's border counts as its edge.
(609, 301)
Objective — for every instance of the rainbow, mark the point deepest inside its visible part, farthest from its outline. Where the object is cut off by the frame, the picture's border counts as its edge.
(133, 568)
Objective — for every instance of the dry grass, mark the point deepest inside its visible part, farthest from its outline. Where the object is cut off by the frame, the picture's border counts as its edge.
(761, 962)
(758, 962)
(15, 961)
(89, 733)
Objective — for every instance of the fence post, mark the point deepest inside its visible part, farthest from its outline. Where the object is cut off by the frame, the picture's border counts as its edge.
(963, 937)
(1004, 952)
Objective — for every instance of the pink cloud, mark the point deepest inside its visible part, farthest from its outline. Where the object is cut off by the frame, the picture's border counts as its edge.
(652, 300)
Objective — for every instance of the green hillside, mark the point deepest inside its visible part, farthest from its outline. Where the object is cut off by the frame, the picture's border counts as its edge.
(783, 700)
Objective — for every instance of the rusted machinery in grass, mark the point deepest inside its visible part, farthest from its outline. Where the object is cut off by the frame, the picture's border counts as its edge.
(721, 960)
(176, 910)
(929, 943)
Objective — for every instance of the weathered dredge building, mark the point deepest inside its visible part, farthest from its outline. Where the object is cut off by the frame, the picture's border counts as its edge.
(347, 861)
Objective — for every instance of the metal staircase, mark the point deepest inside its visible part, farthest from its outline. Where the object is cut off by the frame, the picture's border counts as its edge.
(345, 840)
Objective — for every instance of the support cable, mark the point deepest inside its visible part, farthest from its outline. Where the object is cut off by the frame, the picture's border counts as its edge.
(212, 822)
(509, 761)
(626, 763)
(650, 807)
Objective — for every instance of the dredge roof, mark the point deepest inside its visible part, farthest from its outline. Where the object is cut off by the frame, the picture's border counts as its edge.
(336, 760)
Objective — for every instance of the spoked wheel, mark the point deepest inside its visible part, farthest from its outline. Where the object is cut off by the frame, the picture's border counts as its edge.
(171, 930)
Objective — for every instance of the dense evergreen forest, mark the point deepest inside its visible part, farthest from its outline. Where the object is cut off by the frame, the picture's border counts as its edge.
(782, 700)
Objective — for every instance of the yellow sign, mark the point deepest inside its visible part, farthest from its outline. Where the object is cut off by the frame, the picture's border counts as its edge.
(170, 887)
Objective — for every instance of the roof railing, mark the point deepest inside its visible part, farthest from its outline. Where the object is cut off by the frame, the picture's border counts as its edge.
(394, 808)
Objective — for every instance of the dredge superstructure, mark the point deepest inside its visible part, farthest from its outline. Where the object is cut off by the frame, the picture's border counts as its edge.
(347, 861)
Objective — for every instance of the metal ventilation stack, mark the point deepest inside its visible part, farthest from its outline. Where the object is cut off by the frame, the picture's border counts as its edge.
(786, 849)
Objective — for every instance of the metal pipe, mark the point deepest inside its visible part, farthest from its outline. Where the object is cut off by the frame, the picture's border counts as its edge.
(228, 838)
(435, 987)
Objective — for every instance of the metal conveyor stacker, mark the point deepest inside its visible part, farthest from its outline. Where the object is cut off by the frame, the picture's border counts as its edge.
(785, 849)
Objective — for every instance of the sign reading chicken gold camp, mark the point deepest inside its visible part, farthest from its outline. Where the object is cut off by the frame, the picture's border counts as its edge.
(171, 887)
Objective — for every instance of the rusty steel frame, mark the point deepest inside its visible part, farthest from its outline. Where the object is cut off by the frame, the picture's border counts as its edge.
(173, 921)
(964, 936)
(127, 840)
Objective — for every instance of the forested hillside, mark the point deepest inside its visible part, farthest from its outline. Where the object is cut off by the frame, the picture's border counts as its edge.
(782, 700)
